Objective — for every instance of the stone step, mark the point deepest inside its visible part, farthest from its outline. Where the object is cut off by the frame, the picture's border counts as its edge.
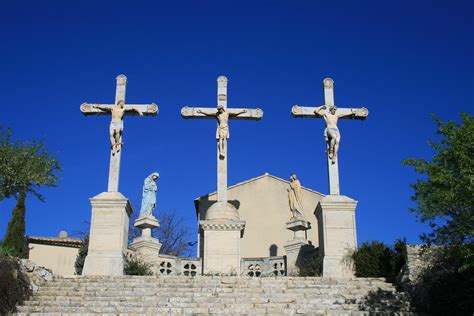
(238, 310)
(215, 295)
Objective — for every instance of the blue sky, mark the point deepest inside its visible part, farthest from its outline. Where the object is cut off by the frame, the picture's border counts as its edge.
(401, 59)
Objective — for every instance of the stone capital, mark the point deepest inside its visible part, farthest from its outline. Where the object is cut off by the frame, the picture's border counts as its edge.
(297, 224)
(222, 225)
(111, 200)
(148, 221)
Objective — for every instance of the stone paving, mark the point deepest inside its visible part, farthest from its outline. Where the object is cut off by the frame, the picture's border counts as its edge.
(203, 295)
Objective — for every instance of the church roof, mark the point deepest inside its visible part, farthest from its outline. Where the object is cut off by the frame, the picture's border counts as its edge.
(56, 241)
(266, 174)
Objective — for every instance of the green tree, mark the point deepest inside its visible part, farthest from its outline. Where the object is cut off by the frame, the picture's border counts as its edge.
(445, 194)
(445, 200)
(15, 236)
(25, 167)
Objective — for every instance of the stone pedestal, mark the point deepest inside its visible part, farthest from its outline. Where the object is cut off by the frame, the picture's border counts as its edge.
(108, 234)
(337, 234)
(222, 246)
(294, 248)
(146, 245)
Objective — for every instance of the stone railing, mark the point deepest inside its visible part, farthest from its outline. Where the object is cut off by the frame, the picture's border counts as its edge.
(263, 267)
(171, 265)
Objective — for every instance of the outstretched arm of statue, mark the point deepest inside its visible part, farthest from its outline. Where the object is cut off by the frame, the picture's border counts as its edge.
(237, 113)
(101, 107)
(320, 110)
(136, 110)
(206, 113)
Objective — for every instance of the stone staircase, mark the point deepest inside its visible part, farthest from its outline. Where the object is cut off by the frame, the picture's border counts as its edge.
(175, 295)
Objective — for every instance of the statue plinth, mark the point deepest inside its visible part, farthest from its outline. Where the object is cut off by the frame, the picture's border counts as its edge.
(337, 234)
(146, 245)
(298, 226)
(294, 247)
(108, 234)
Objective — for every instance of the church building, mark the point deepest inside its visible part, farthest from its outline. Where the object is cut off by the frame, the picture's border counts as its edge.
(262, 202)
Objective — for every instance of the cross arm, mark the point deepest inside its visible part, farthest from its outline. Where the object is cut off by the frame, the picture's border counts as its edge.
(234, 113)
(145, 109)
(193, 113)
(245, 114)
(131, 109)
(350, 113)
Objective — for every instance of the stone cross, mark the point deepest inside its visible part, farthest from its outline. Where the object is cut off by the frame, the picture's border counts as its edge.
(118, 111)
(331, 114)
(222, 134)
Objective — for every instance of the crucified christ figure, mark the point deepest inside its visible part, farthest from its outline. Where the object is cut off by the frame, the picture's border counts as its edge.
(331, 133)
(116, 124)
(222, 131)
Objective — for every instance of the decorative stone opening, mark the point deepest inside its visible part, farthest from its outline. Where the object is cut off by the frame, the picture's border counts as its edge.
(279, 269)
(254, 270)
(166, 268)
(189, 269)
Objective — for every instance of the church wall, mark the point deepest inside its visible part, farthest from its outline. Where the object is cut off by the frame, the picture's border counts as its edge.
(263, 204)
(58, 259)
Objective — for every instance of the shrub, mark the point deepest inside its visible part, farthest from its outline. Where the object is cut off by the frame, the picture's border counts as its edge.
(311, 267)
(14, 285)
(375, 259)
(6, 251)
(136, 266)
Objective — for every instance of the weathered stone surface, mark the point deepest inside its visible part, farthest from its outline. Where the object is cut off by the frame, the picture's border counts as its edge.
(337, 234)
(109, 234)
(216, 295)
(38, 275)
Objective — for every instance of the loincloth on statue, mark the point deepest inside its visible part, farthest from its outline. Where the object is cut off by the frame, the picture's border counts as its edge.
(222, 132)
(333, 132)
(116, 125)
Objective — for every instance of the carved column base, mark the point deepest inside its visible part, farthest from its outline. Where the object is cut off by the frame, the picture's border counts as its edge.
(222, 246)
(337, 234)
(108, 234)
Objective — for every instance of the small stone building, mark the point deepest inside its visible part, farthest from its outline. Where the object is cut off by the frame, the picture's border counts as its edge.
(263, 203)
(55, 253)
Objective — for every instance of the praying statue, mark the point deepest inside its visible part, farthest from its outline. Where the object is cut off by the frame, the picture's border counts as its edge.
(116, 124)
(222, 131)
(331, 133)
(149, 195)
(295, 198)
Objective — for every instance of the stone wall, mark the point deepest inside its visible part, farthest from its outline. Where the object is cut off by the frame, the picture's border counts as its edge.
(37, 274)
(410, 278)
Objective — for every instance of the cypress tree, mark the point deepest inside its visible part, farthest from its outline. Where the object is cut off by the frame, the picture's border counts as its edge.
(15, 235)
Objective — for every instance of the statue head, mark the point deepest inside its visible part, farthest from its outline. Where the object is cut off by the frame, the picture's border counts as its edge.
(121, 103)
(154, 176)
(292, 176)
(332, 109)
(220, 108)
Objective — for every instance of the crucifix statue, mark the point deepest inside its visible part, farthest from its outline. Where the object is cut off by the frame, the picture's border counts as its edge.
(331, 115)
(117, 112)
(222, 114)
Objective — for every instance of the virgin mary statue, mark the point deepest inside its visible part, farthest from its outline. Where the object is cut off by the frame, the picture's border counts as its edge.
(149, 195)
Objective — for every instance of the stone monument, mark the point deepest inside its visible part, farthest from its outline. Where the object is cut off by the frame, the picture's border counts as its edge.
(222, 226)
(298, 225)
(335, 213)
(111, 210)
(146, 245)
